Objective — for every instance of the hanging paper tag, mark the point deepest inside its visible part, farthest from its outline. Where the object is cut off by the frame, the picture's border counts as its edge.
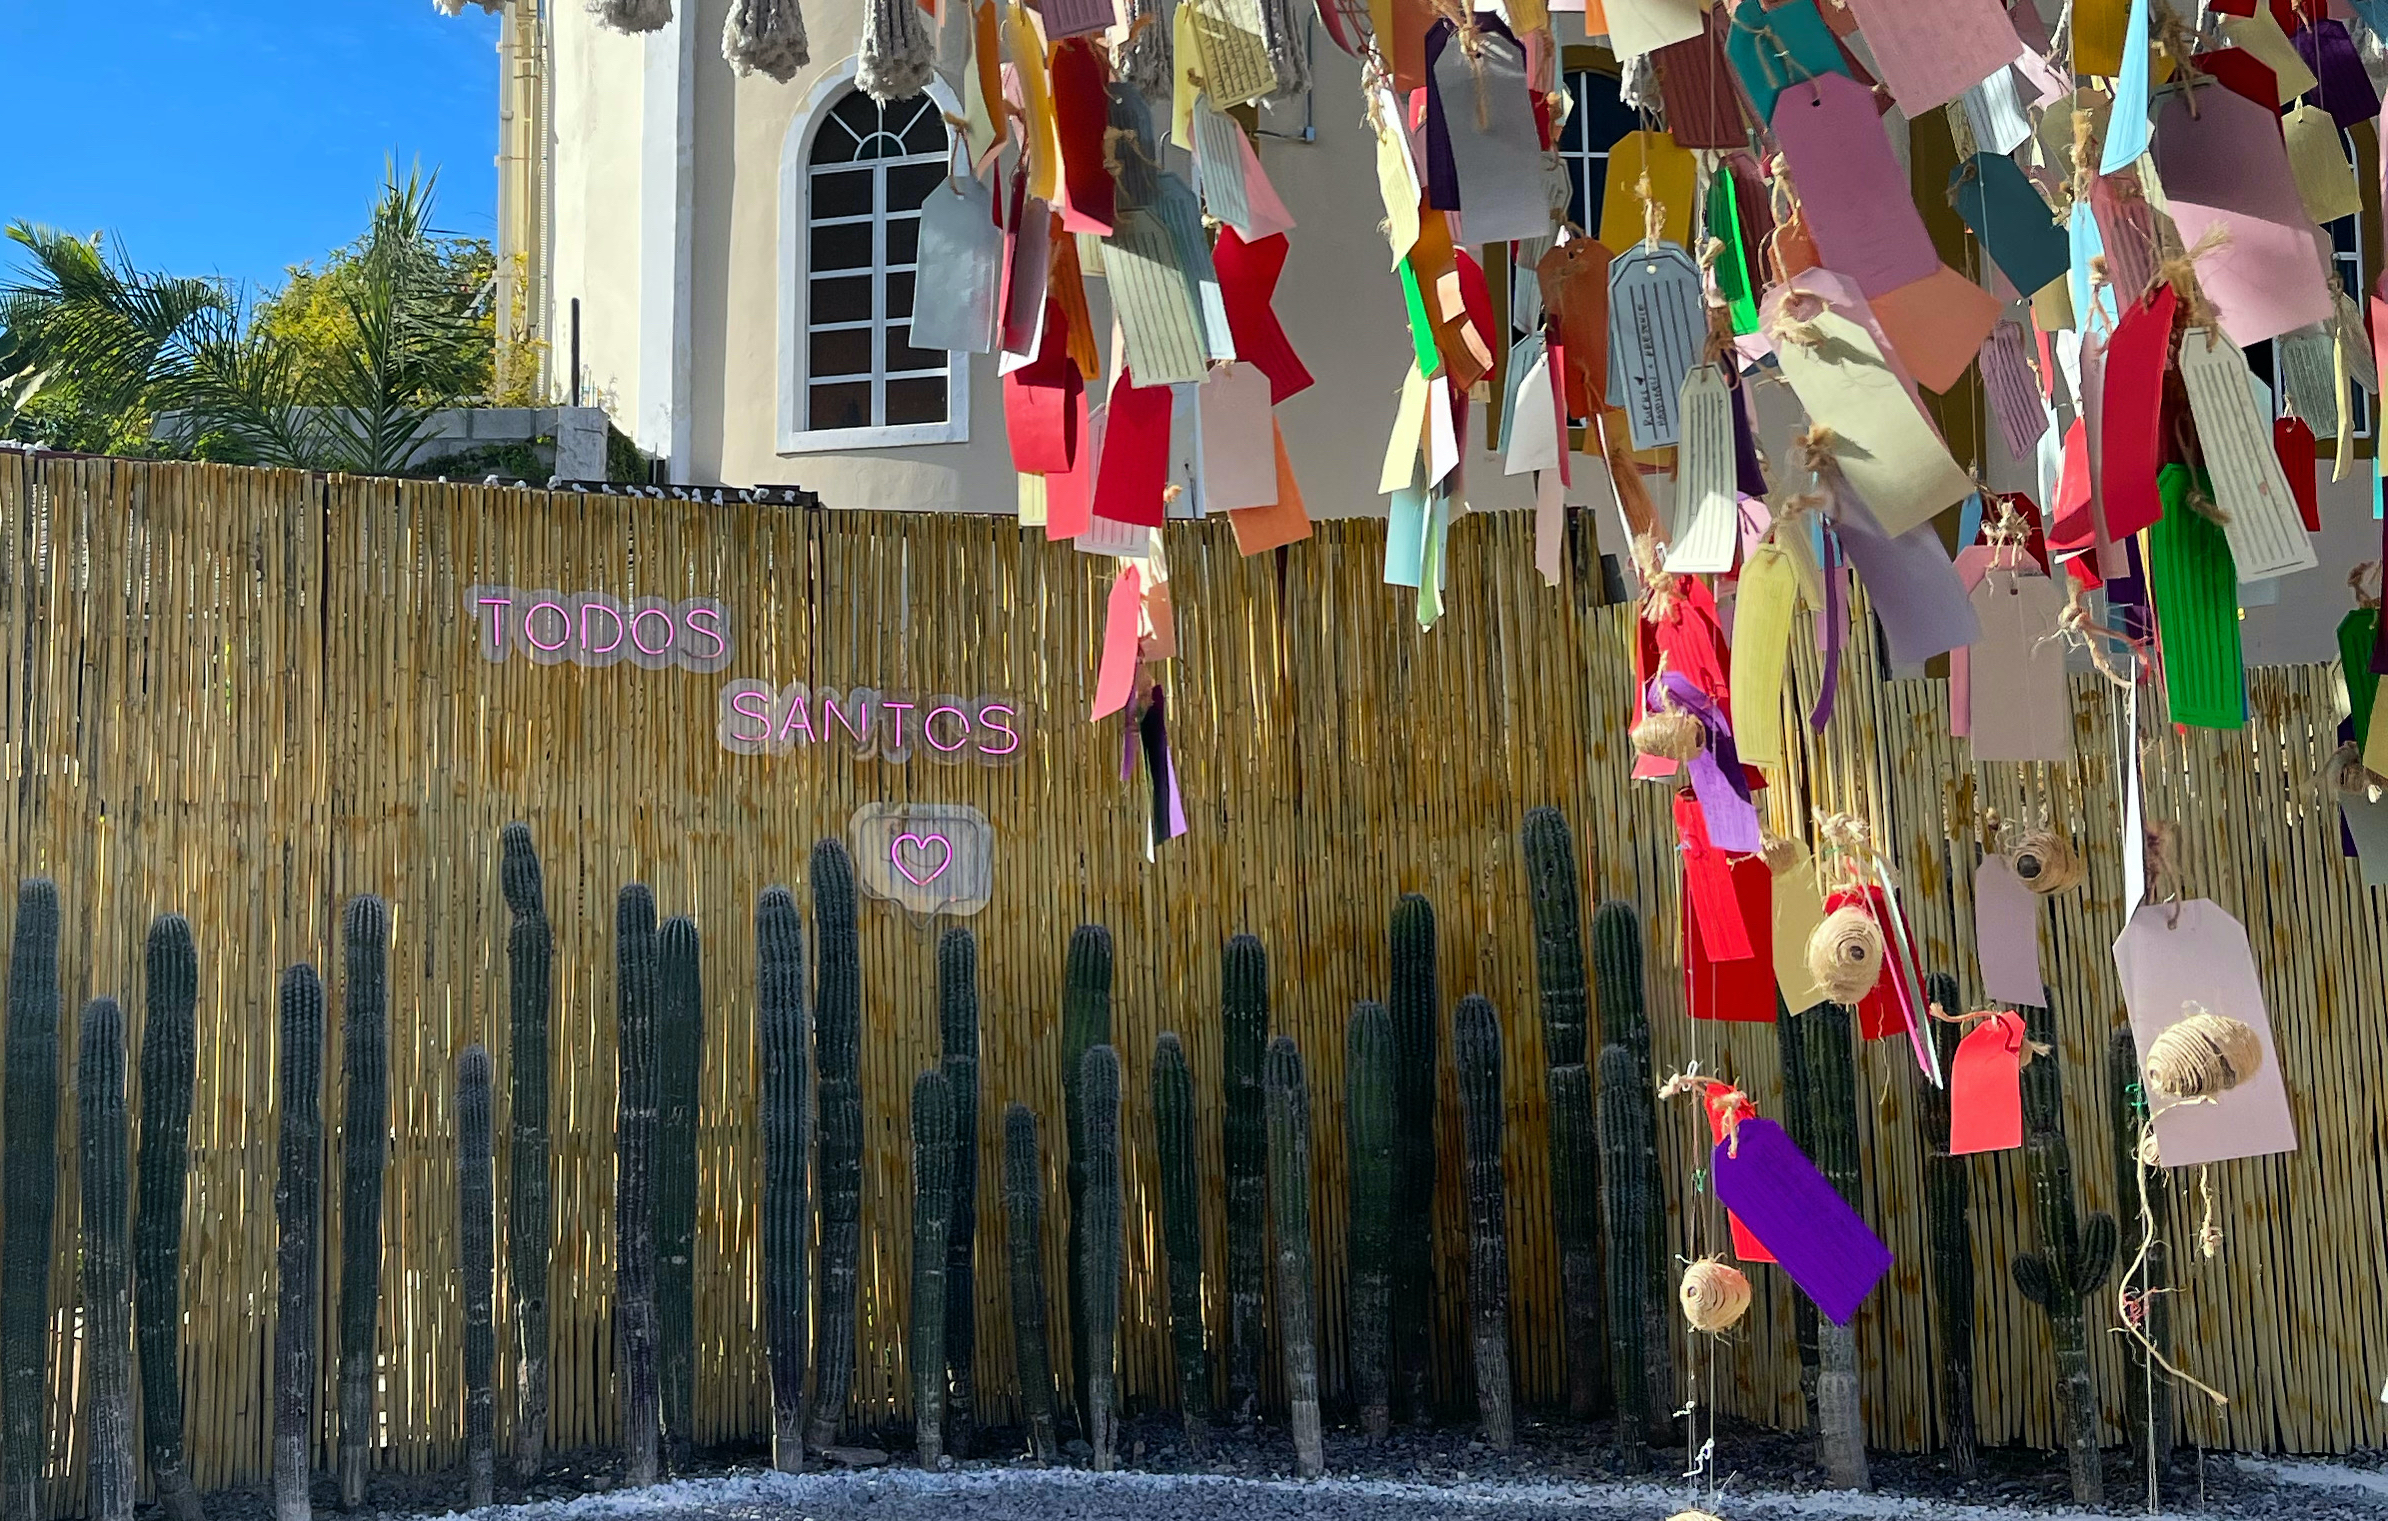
(1154, 301)
(1707, 522)
(1795, 1211)
(1770, 47)
(1238, 464)
(1882, 441)
(2318, 158)
(1658, 321)
(1915, 591)
(2014, 225)
(1227, 41)
(1986, 1088)
(1714, 1098)
(2267, 535)
(1283, 521)
(1488, 122)
(958, 239)
(1769, 593)
(1929, 55)
(1644, 26)
(2006, 375)
(1853, 194)
(2019, 700)
(2170, 956)
(1117, 676)
(2225, 165)
(1674, 174)
(2006, 924)
(1994, 112)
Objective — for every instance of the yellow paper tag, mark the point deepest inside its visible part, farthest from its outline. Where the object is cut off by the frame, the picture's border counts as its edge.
(2318, 159)
(1032, 501)
(1044, 138)
(1396, 177)
(1798, 909)
(1409, 431)
(1674, 176)
(2260, 34)
(1761, 650)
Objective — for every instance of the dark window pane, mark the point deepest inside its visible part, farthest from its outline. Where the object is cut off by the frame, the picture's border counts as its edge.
(909, 184)
(1589, 182)
(1606, 118)
(834, 143)
(845, 299)
(843, 351)
(844, 405)
(925, 131)
(916, 401)
(899, 295)
(903, 239)
(857, 111)
(901, 355)
(847, 246)
(845, 193)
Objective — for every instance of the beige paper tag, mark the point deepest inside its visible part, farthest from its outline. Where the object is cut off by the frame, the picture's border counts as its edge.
(1761, 652)
(1707, 527)
(2260, 35)
(2318, 159)
(1409, 433)
(1798, 909)
(1396, 176)
(1881, 439)
(2022, 708)
(2267, 536)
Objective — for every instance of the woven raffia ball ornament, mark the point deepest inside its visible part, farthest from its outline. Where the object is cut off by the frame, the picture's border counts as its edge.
(2045, 861)
(1670, 734)
(1715, 1295)
(2203, 1056)
(632, 16)
(1845, 955)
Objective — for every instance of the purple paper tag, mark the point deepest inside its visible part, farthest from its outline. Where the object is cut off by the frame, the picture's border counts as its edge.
(2341, 87)
(1796, 1214)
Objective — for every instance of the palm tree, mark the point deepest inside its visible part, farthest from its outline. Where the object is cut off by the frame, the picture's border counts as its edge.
(93, 340)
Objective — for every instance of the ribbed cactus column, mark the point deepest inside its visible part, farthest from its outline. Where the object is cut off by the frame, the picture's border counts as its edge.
(364, 1156)
(1948, 1192)
(1476, 1050)
(932, 1222)
(1831, 1072)
(1101, 1244)
(298, 1206)
(783, 1041)
(1085, 1024)
(2072, 1261)
(530, 1209)
(1244, 1039)
(837, 1011)
(107, 1268)
(957, 1020)
(1371, 1119)
(1024, 1225)
(637, 992)
(1549, 853)
(476, 1220)
(1625, 1022)
(2147, 1397)
(1181, 1226)
(1790, 1037)
(1289, 1209)
(168, 1059)
(28, 1196)
(1625, 1124)
(679, 1071)
(1416, 1006)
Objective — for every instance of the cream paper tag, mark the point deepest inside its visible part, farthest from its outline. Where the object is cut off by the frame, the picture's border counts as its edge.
(2267, 536)
(2318, 159)
(1707, 527)
(1798, 909)
(1761, 651)
(1881, 439)
(1409, 434)
(1396, 175)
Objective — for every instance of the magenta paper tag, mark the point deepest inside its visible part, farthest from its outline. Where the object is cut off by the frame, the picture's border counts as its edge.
(1797, 1214)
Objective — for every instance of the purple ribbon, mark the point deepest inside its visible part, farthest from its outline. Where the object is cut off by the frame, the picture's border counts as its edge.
(1748, 474)
(1716, 776)
(1169, 809)
(1830, 629)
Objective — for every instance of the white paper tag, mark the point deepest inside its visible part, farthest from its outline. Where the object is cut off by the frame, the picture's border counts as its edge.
(1707, 521)
(1658, 323)
(2267, 537)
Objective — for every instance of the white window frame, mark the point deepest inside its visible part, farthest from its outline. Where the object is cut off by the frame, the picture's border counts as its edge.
(795, 287)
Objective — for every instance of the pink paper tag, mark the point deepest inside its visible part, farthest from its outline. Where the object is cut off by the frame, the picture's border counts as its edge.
(2202, 957)
(1853, 194)
(1929, 52)
(1117, 676)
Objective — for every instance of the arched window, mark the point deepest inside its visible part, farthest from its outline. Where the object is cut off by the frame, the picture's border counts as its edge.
(1599, 119)
(851, 186)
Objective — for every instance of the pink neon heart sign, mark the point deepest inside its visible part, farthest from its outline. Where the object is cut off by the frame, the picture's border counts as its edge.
(921, 843)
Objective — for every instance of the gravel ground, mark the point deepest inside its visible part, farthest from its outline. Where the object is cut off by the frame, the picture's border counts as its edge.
(1557, 1469)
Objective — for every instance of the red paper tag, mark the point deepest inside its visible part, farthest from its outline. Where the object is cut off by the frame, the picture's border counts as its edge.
(2293, 442)
(1728, 926)
(2130, 431)
(1986, 1088)
(1081, 115)
(1247, 283)
(1134, 469)
(2239, 71)
(2072, 528)
(1746, 1247)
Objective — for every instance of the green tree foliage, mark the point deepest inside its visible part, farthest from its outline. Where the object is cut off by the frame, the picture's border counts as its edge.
(341, 369)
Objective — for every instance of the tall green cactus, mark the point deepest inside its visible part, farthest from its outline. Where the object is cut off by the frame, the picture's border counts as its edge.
(837, 1011)
(1948, 1193)
(957, 1021)
(2073, 1259)
(1476, 1051)
(932, 1225)
(1831, 1072)
(169, 1047)
(1790, 1040)
(1371, 1123)
(1289, 1209)
(107, 1275)
(1625, 1021)
(476, 1194)
(530, 1198)
(1416, 1007)
(2147, 1396)
(637, 991)
(1181, 1225)
(1625, 1125)
(1549, 853)
(1024, 1225)
(1102, 1244)
(28, 1196)
(783, 1041)
(364, 1157)
(298, 1207)
(1244, 1040)
(679, 1074)
(1085, 1024)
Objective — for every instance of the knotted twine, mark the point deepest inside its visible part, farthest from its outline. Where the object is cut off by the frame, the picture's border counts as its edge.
(897, 58)
(765, 36)
(632, 16)
(2031, 1048)
(2074, 626)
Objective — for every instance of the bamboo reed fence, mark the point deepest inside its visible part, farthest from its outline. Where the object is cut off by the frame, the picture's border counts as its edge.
(246, 695)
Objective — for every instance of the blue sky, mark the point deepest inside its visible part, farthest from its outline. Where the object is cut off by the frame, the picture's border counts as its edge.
(236, 137)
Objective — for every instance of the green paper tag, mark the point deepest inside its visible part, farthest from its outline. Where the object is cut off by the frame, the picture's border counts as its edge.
(2196, 589)
(1733, 265)
(2356, 633)
(1430, 358)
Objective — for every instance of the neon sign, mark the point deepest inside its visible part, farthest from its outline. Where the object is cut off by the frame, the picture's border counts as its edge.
(594, 629)
(757, 718)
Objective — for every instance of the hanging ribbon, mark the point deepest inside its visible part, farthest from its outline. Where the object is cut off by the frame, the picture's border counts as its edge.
(1716, 775)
